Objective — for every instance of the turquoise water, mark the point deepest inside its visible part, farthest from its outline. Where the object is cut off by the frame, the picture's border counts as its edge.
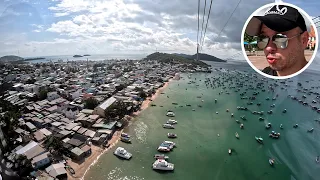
(202, 154)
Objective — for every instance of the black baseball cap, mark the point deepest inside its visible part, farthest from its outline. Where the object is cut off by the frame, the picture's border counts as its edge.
(279, 18)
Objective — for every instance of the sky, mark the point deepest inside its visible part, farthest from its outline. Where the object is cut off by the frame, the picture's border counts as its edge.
(34, 28)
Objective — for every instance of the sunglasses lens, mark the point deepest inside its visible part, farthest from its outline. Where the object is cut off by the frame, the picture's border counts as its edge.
(280, 40)
(262, 42)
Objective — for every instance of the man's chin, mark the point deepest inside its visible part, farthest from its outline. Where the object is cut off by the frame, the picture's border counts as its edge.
(274, 67)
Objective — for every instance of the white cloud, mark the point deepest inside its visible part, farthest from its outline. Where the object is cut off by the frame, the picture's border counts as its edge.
(61, 14)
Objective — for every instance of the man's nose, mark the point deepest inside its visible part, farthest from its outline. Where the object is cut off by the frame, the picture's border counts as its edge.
(271, 47)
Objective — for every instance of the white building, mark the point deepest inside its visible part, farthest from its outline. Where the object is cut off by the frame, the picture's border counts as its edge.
(32, 88)
(71, 113)
(76, 94)
(102, 107)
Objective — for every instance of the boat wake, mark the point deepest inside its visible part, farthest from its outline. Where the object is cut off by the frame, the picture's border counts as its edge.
(141, 132)
(115, 175)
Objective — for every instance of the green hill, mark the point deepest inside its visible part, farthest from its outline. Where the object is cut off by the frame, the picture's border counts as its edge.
(202, 56)
(172, 58)
(10, 58)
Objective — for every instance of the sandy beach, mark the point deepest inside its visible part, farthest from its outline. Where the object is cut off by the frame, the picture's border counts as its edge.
(259, 60)
(83, 168)
(146, 103)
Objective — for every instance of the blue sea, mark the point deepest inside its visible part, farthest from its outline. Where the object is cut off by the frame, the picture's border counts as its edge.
(201, 153)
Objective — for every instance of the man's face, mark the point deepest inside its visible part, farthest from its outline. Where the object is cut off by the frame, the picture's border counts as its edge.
(280, 59)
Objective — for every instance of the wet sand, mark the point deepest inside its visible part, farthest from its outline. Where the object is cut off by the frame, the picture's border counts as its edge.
(84, 167)
(259, 60)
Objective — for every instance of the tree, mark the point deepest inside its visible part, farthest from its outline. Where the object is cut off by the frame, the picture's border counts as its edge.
(120, 87)
(142, 94)
(116, 111)
(248, 38)
(91, 103)
(43, 94)
(53, 143)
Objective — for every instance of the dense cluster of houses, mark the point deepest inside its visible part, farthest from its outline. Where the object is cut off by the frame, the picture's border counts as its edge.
(52, 99)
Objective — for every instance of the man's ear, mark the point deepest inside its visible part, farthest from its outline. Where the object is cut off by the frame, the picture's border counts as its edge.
(305, 39)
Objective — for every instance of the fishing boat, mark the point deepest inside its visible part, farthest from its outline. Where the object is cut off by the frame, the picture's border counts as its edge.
(241, 126)
(259, 139)
(172, 121)
(317, 159)
(125, 135)
(271, 161)
(172, 135)
(237, 121)
(268, 126)
(125, 139)
(161, 156)
(237, 135)
(295, 126)
(281, 126)
(310, 130)
(229, 151)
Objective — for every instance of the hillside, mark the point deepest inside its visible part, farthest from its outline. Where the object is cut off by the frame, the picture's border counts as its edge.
(167, 58)
(204, 57)
(10, 58)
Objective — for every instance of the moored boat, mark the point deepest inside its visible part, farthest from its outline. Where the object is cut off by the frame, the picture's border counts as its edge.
(271, 161)
(161, 164)
(259, 139)
(172, 135)
(168, 126)
(125, 139)
(237, 135)
(161, 156)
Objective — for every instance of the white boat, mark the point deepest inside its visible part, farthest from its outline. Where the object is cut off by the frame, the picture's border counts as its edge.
(317, 159)
(229, 151)
(241, 126)
(125, 135)
(172, 135)
(172, 121)
(161, 164)
(170, 143)
(168, 126)
(121, 152)
(237, 135)
(271, 161)
(163, 149)
(161, 156)
(170, 114)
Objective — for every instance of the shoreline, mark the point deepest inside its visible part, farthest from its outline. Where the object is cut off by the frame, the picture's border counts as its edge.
(82, 169)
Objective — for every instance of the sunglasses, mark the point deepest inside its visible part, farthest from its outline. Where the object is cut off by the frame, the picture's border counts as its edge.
(280, 40)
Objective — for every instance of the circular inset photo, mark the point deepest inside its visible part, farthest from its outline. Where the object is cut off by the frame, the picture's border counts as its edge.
(279, 40)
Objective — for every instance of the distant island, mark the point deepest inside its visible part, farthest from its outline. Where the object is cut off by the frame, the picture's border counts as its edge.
(202, 56)
(31, 59)
(10, 58)
(17, 59)
(77, 56)
(168, 58)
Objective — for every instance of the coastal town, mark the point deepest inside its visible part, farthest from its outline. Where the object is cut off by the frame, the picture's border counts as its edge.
(56, 118)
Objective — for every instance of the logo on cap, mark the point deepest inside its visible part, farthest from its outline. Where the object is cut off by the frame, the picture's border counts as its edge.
(278, 11)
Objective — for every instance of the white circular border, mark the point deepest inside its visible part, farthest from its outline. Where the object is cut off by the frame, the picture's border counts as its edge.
(279, 77)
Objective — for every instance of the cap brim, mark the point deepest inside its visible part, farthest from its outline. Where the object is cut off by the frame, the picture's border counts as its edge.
(273, 22)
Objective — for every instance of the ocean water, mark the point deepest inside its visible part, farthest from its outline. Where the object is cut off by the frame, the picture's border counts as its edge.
(94, 57)
(201, 153)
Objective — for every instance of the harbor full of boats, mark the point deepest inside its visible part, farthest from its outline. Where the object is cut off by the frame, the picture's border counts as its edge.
(210, 137)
